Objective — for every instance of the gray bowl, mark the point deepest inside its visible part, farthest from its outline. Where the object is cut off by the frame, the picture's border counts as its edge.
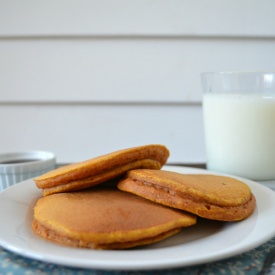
(19, 166)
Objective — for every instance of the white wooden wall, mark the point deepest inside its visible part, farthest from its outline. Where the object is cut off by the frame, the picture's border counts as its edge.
(85, 77)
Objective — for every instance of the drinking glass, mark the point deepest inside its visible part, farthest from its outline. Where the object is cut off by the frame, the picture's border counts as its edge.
(239, 123)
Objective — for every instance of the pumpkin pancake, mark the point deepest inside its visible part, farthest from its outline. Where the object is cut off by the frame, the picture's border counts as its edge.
(84, 174)
(208, 196)
(104, 218)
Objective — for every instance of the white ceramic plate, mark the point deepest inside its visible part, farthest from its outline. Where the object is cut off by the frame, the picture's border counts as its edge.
(207, 241)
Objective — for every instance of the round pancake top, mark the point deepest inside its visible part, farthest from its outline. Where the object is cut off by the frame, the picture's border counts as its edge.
(219, 190)
(107, 215)
(156, 152)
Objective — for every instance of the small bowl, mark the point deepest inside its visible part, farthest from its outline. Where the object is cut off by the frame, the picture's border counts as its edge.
(19, 166)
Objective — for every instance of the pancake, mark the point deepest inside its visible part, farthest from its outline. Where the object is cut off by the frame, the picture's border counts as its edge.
(208, 196)
(103, 218)
(94, 171)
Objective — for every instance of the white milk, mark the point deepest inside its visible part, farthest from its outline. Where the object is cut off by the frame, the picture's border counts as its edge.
(240, 134)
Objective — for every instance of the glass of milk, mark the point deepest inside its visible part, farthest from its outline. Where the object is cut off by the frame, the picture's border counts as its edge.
(239, 121)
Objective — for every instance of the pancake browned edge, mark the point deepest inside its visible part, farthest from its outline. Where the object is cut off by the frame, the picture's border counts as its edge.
(84, 174)
(105, 219)
(208, 196)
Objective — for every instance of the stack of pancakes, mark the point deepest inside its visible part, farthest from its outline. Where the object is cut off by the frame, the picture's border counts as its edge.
(124, 199)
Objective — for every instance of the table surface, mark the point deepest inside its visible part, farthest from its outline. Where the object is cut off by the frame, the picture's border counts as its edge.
(250, 262)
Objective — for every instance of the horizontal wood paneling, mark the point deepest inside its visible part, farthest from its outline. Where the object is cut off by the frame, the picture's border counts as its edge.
(77, 132)
(143, 17)
(86, 77)
(122, 70)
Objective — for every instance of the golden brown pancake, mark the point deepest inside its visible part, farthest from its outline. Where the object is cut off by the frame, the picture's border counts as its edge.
(105, 219)
(84, 174)
(208, 196)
